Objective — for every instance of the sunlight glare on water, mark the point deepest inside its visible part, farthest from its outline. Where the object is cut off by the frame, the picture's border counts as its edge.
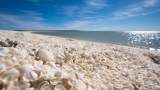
(145, 38)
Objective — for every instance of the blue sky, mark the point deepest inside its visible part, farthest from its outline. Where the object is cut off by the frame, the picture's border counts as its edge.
(80, 14)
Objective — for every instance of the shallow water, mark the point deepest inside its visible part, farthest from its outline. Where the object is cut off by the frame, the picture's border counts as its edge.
(142, 39)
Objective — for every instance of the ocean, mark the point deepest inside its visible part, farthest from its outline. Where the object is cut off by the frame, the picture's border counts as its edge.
(141, 39)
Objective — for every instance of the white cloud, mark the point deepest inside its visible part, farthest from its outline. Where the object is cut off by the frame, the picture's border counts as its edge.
(149, 3)
(87, 8)
(28, 20)
(137, 9)
(97, 3)
(33, 21)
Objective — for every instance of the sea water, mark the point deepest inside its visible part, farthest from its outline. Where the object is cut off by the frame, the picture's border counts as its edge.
(142, 39)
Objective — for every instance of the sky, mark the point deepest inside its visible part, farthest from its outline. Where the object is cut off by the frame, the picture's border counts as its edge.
(87, 15)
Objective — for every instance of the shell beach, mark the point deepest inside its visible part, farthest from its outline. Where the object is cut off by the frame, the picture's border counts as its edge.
(39, 62)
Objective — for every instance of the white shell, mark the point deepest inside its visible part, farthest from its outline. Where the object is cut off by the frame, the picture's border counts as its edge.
(13, 71)
(59, 87)
(30, 76)
(44, 85)
(21, 53)
(11, 86)
(81, 85)
(44, 55)
(26, 68)
(3, 51)
(2, 67)
(11, 74)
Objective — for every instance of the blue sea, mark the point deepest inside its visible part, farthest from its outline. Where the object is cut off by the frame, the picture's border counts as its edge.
(142, 39)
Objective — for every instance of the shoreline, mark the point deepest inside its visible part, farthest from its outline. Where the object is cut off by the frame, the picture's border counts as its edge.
(75, 64)
(90, 38)
(100, 42)
(80, 40)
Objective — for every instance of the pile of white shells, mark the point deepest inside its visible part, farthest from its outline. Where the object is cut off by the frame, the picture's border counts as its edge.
(52, 63)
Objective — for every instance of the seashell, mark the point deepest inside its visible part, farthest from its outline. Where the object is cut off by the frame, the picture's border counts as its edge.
(34, 75)
(44, 55)
(56, 46)
(58, 74)
(12, 74)
(59, 87)
(20, 53)
(24, 85)
(81, 85)
(2, 67)
(26, 68)
(11, 86)
(30, 76)
(67, 84)
(3, 51)
(44, 85)
(31, 52)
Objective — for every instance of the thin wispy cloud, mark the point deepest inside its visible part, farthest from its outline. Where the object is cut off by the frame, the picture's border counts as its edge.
(97, 3)
(89, 7)
(83, 14)
(27, 20)
(149, 3)
(138, 9)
